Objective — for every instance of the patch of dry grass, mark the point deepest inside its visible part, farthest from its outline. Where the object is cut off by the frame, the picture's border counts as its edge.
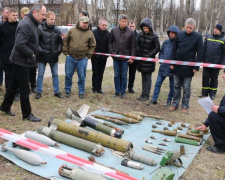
(204, 167)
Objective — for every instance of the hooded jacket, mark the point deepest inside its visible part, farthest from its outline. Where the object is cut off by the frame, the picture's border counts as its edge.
(187, 47)
(165, 53)
(148, 45)
(79, 43)
(214, 49)
(26, 42)
(50, 43)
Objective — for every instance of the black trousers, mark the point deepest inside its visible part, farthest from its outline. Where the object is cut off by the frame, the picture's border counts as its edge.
(33, 75)
(20, 79)
(209, 81)
(132, 73)
(7, 68)
(146, 83)
(217, 129)
(98, 68)
(1, 75)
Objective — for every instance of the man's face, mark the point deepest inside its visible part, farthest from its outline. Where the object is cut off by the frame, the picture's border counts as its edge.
(172, 35)
(84, 25)
(146, 29)
(50, 20)
(216, 31)
(132, 26)
(189, 28)
(123, 23)
(103, 25)
(22, 15)
(12, 17)
(5, 13)
(39, 16)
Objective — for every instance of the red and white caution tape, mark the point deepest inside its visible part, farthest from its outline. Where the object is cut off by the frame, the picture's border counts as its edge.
(186, 63)
(50, 151)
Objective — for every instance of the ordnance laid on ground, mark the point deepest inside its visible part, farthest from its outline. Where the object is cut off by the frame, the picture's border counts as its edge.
(166, 140)
(182, 150)
(40, 138)
(152, 137)
(24, 155)
(21, 147)
(163, 144)
(143, 159)
(187, 141)
(148, 141)
(154, 126)
(152, 150)
(159, 123)
(116, 121)
(195, 133)
(125, 119)
(114, 127)
(179, 128)
(92, 159)
(155, 147)
(78, 174)
(72, 141)
(190, 137)
(93, 136)
(165, 132)
(183, 125)
(146, 115)
(134, 116)
(170, 124)
(165, 128)
(91, 122)
(132, 164)
(164, 174)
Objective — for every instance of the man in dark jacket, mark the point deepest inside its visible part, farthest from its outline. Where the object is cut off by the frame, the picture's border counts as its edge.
(133, 66)
(121, 41)
(216, 123)
(23, 57)
(164, 69)
(214, 53)
(187, 44)
(98, 62)
(149, 46)
(7, 39)
(49, 49)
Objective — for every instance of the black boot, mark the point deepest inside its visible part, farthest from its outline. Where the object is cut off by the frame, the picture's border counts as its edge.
(139, 98)
(145, 98)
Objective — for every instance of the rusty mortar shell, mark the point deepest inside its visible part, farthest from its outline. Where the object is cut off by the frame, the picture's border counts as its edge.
(183, 125)
(170, 124)
(179, 128)
(165, 128)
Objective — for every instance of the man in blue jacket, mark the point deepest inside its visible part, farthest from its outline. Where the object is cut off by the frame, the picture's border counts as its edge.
(214, 53)
(216, 123)
(164, 69)
(188, 46)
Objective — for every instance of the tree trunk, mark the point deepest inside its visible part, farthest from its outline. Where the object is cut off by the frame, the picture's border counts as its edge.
(161, 18)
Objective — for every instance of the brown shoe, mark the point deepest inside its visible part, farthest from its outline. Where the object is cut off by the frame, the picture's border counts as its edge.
(184, 110)
(172, 108)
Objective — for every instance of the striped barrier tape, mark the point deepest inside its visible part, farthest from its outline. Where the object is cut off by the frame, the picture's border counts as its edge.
(59, 154)
(186, 63)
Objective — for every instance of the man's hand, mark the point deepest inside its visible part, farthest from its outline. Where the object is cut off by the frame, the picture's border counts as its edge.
(202, 128)
(171, 66)
(130, 61)
(215, 108)
(194, 71)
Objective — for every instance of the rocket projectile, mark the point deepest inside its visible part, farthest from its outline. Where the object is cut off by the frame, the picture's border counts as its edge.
(40, 138)
(24, 155)
(132, 164)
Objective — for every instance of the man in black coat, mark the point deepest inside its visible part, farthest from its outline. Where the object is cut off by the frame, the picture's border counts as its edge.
(98, 62)
(7, 40)
(214, 53)
(216, 123)
(121, 41)
(187, 44)
(49, 49)
(23, 57)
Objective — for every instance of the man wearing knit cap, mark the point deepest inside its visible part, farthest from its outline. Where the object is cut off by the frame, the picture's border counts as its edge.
(214, 53)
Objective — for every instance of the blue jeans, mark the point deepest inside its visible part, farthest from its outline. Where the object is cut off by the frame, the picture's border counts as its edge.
(186, 84)
(81, 67)
(158, 85)
(120, 75)
(55, 77)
